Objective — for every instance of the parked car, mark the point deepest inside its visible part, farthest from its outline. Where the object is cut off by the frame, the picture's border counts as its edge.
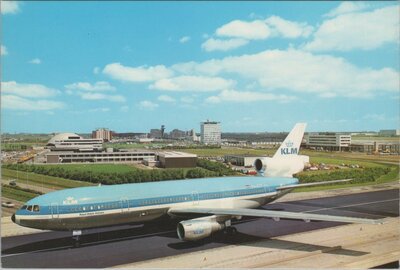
(8, 204)
(13, 183)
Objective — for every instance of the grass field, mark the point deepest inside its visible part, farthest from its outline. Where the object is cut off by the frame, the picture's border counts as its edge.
(15, 194)
(109, 168)
(220, 152)
(392, 176)
(41, 180)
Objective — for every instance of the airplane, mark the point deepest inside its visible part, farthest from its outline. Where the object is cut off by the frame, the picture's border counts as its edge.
(214, 202)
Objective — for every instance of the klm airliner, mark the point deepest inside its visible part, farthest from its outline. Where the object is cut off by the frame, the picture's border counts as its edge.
(217, 201)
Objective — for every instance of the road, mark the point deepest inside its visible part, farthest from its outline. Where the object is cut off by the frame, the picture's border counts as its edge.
(126, 244)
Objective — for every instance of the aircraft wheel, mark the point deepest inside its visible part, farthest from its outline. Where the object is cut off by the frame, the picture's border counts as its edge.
(77, 244)
(231, 230)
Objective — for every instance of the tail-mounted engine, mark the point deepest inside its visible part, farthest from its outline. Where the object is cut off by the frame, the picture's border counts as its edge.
(281, 166)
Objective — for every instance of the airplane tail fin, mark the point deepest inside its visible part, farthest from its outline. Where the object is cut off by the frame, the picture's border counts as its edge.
(291, 145)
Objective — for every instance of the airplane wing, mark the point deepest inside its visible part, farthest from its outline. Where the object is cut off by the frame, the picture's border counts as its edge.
(313, 184)
(276, 215)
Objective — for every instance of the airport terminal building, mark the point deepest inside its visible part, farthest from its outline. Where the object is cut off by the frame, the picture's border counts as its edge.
(99, 157)
(168, 159)
(328, 141)
(74, 142)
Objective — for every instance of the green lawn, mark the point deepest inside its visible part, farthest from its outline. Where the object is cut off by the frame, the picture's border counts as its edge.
(220, 152)
(41, 180)
(15, 194)
(109, 168)
(392, 176)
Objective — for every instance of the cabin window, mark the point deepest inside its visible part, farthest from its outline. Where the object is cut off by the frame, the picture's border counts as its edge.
(91, 207)
(36, 208)
(84, 208)
(24, 207)
(29, 208)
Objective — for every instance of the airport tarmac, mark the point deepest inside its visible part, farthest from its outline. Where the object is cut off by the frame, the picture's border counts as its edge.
(124, 245)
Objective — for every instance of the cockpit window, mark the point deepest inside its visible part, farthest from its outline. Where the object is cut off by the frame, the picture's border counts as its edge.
(29, 208)
(24, 207)
(36, 208)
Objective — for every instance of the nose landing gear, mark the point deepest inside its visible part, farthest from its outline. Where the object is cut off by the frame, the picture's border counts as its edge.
(76, 235)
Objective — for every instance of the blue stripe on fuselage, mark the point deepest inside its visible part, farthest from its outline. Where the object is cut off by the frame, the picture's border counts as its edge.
(89, 199)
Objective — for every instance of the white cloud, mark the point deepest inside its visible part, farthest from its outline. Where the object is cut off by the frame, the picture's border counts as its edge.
(375, 117)
(27, 90)
(100, 110)
(241, 32)
(3, 48)
(99, 96)
(9, 7)
(347, 7)
(137, 74)
(184, 39)
(166, 98)
(85, 86)
(247, 96)
(212, 44)
(360, 30)
(19, 103)
(192, 83)
(245, 30)
(187, 99)
(35, 61)
(124, 109)
(148, 105)
(288, 29)
(300, 71)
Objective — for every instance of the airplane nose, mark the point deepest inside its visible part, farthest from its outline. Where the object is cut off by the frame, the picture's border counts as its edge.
(13, 218)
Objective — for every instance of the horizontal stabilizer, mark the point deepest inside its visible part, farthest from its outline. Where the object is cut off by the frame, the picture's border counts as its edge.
(313, 184)
(276, 215)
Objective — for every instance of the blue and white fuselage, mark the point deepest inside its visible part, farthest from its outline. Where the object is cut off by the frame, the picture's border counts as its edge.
(98, 206)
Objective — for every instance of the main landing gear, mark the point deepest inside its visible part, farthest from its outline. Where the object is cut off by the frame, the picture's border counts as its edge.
(230, 230)
(76, 235)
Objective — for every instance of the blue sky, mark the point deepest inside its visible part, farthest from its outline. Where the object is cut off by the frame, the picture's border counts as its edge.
(258, 66)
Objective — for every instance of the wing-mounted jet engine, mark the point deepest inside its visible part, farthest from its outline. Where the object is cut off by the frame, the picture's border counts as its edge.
(199, 228)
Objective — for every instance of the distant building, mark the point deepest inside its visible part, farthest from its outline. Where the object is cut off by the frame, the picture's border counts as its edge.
(328, 141)
(162, 131)
(389, 132)
(388, 147)
(156, 133)
(174, 159)
(177, 134)
(192, 136)
(102, 133)
(73, 142)
(210, 132)
(100, 157)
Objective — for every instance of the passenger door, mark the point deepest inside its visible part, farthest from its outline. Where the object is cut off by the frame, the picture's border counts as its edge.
(195, 198)
(54, 210)
(124, 205)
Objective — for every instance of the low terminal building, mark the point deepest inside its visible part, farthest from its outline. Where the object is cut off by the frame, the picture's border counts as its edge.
(385, 147)
(174, 159)
(169, 159)
(74, 142)
(330, 141)
(241, 160)
(100, 157)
